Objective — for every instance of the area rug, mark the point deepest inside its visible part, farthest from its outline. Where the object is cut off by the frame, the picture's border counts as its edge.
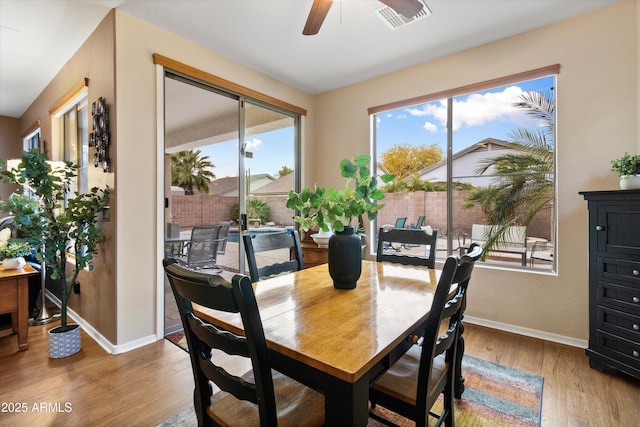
(495, 396)
(178, 339)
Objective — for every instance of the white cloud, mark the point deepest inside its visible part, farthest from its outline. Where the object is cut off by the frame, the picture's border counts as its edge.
(253, 144)
(477, 110)
(430, 127)
(401, 116)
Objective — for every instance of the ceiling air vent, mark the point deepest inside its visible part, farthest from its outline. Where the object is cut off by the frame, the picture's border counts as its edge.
(394, 20)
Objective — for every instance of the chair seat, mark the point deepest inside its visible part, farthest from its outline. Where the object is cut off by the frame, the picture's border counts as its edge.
(401, 380)
(296, 405)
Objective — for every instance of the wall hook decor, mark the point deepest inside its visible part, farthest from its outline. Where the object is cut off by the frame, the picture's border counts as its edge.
(99, 138)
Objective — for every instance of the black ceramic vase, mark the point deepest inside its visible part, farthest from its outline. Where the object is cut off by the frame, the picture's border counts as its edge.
(345, 258)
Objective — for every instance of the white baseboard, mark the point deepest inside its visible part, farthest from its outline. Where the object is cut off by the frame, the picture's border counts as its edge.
(98, 337)
(560, 339)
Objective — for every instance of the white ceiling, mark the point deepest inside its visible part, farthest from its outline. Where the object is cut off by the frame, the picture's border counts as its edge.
(37, 37)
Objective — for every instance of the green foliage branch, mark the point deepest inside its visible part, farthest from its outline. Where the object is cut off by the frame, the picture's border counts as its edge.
(329, 207)
(15, 249)
(626, 165)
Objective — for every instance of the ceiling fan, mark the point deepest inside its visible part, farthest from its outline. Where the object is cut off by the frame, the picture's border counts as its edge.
(320, 8)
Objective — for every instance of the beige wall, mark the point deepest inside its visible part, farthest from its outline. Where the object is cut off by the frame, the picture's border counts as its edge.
(10, 147)
(137, 232)
(597, 120)
(93, 60)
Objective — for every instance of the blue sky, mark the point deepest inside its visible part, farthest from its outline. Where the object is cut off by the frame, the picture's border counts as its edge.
(476, 117)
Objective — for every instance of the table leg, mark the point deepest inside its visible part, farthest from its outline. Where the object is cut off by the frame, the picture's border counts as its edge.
(23, 313)
(347, 404)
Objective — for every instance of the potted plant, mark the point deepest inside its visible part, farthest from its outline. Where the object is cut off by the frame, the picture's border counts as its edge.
(65, 235)
(628, 169)
(327, 208)
(12, 253)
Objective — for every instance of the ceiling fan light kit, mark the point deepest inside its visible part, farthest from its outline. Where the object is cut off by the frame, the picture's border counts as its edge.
(395, 14)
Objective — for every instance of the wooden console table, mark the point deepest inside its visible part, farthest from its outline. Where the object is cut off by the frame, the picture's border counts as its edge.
(312, 254)
(14, 299)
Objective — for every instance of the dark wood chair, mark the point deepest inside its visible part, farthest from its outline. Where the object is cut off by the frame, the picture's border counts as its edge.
(412, 385)
(260, 243)
(407, 238)
(262, 396)
(202, 248)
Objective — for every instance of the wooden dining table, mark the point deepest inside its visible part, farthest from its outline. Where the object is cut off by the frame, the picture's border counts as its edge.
(339, 341)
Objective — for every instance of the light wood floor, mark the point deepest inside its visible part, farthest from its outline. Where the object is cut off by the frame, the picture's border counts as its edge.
(148, 385)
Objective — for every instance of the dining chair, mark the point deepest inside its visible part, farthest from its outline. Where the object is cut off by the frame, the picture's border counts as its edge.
(413, 384)
(255, 244)
(261, 396)
(202, 248)
(409, 239)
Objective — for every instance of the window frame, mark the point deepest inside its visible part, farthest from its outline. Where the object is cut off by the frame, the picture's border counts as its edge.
(449, 95)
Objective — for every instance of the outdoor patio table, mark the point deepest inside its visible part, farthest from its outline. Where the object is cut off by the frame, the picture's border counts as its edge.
(339, 341)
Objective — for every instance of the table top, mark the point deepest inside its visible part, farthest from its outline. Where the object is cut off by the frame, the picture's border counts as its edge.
(25, 270)
(340, 332)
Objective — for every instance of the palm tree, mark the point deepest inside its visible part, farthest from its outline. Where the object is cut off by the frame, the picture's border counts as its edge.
(524, 185)
(190, 169)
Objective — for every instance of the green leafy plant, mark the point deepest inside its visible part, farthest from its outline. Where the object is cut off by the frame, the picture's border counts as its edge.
(15, 250)
(626, 165)
(328, 207)
(60, 233)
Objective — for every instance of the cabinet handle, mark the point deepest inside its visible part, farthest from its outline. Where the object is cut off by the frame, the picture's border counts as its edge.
(636, 353)
(599, 228)
(635, 327)
(635, 273)
(635, 299)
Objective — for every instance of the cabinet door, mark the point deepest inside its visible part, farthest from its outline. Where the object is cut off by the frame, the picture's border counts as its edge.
(618, 229)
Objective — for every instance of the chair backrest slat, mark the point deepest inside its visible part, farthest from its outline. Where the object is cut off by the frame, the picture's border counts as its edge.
(258, 243)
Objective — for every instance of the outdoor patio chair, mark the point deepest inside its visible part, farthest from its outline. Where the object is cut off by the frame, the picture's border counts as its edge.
(542, 251)
(261, 396)
(223, 236)
(418, 223)
(262, 243)
(412, 385)
(202, 248)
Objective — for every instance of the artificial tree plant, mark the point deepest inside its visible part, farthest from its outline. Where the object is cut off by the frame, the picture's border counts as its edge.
(62, 226)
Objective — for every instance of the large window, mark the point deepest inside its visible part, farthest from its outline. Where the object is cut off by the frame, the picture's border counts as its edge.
(70, 132)
(479, 163)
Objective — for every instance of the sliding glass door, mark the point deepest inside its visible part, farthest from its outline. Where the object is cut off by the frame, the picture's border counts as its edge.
(228, 160)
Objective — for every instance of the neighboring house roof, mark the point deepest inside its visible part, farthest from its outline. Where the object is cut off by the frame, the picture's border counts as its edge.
(280, 186)
(228, 186)
(465, 162)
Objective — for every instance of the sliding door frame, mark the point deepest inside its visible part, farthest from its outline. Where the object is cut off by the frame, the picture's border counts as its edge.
(165, 66)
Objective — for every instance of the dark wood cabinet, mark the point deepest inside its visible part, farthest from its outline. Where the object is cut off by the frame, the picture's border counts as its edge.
(614, 280)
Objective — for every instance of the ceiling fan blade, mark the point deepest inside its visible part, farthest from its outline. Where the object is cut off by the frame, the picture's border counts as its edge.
(318, 12)
(406, 8)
